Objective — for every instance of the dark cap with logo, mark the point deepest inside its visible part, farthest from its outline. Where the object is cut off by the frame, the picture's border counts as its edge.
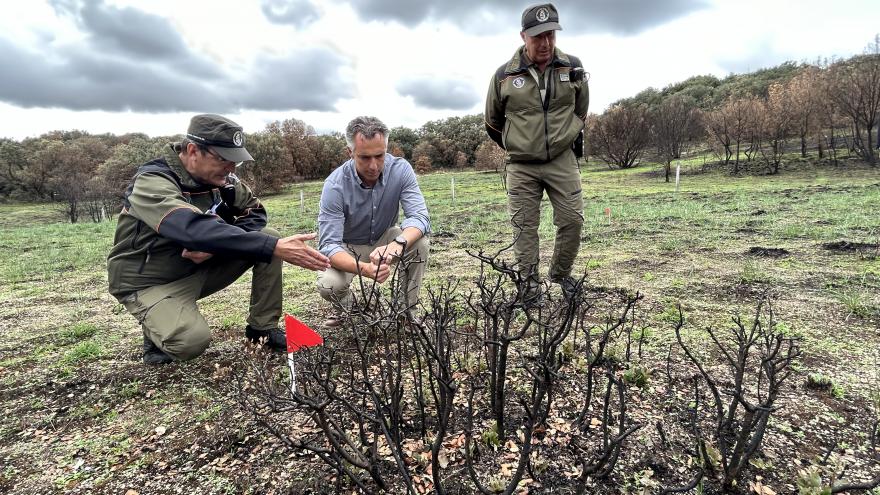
(540, 18)
(224, 136)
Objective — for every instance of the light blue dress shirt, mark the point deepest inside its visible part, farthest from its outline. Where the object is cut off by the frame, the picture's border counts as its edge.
(353, 213)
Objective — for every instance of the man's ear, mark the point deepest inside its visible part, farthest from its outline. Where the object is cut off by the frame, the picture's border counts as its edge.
(522, 34)
(350, 153)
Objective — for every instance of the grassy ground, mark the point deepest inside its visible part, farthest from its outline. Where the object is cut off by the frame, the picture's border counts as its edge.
(81, 413)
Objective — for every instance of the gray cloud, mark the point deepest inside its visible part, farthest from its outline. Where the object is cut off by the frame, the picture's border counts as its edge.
(299, 13)
(133, 34)
(119, 68)
(296, 83)
(80, 80)
(439, 93)
(627, 17)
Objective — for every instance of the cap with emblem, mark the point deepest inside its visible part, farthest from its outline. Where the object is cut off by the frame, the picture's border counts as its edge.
(540, 18)
(223, 136)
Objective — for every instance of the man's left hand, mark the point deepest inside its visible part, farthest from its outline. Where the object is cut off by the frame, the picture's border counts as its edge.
(389, 253)
(196, 256)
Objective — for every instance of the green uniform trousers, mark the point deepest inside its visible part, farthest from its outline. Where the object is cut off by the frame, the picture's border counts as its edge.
(333, 284)
(170, 316)
(526, 184)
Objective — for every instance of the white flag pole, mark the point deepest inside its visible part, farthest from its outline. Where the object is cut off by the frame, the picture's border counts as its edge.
(292, 373)
(677, 174)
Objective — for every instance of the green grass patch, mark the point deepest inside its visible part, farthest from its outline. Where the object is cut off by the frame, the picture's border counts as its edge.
(78, 331)
(856, 301)
(86, 351)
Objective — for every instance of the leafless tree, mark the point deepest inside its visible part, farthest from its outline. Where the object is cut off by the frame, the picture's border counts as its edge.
(673, 125)
(733, 125)
(775, 125)
(758, 358)
(718, 125)
(621, 135)
(856, 90)
(803, 99)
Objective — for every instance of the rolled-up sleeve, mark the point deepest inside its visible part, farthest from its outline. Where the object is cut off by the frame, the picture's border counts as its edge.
(331, 219)
(415, 211)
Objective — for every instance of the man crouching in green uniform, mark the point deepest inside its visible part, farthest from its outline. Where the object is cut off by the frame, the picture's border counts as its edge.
(535, 110)
(189, 227)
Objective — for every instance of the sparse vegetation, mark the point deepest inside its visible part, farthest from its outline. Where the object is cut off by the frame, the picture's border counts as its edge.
(77, 376)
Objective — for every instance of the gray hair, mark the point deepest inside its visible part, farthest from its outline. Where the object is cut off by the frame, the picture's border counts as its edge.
(367, 127)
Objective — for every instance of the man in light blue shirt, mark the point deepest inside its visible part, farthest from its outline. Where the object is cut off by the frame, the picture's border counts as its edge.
(357, 221)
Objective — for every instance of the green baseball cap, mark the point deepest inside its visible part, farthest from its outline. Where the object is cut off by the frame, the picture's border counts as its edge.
(539, 18)
(223, 136)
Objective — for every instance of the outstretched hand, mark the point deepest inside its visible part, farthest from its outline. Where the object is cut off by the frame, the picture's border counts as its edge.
(295, 251)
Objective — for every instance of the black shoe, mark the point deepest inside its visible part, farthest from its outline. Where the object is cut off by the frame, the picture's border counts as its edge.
(275, 339)
(154, 355)
(569, 286)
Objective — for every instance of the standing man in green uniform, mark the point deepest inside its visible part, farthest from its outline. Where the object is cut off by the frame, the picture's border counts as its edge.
(535, 110)
(190, 228)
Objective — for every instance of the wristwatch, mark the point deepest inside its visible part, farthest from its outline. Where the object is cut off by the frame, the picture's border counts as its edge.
(402, 241)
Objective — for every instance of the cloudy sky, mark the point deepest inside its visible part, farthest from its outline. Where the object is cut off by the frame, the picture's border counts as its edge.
(147, 65)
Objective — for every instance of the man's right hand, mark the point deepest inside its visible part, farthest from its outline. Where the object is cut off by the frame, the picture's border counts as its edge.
(295, 251)
(379, 273)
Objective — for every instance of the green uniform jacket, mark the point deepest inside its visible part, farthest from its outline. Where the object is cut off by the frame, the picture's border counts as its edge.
(532, 130)
(167, 210)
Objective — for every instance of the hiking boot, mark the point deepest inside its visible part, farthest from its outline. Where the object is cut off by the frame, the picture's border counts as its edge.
(154, 355)
(275, 339)
(569, 286)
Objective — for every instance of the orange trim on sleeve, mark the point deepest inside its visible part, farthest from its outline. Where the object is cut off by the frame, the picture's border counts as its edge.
(187, 207)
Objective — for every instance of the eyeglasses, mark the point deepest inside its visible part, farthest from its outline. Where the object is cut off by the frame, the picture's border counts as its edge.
(219, 158)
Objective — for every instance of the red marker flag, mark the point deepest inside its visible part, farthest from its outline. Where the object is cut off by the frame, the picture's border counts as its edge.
(299, 335)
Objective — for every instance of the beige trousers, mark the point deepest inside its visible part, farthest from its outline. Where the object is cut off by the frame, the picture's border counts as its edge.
(526, 184)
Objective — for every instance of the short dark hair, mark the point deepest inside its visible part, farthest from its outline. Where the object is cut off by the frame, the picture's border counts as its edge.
(181, 146)
(367, 127)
